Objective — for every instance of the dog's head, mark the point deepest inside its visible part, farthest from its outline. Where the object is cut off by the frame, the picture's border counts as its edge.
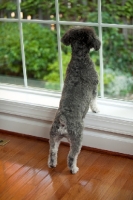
(81, 38)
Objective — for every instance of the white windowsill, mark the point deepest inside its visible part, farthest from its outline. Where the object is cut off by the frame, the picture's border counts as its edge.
(111, 108)
(44, 100)
(31, 112)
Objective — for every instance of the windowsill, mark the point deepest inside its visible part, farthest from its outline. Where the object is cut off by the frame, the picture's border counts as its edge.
(112, 108)
(115, 116)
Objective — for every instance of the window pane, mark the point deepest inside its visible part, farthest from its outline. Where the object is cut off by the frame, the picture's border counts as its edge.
(78, 10)
(66, 54)
(42, 9)
(118, 63)
(117, 12)
(8, 9)
(10, 54)
(41, 53)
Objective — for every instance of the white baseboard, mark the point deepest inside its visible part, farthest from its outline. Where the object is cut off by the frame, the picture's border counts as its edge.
(91, 138)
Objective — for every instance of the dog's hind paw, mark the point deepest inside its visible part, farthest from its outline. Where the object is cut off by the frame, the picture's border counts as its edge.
(74, 170)
(52, 164)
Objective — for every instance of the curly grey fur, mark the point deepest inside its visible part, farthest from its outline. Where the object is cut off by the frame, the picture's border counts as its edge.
(79, 93)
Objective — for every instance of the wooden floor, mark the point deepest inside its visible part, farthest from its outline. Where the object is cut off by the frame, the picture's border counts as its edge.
(24, 174)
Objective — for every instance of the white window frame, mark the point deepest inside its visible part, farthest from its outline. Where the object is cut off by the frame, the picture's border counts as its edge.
(30, 111)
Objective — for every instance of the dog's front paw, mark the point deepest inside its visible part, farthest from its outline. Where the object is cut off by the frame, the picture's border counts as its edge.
(95, 109)
(74, 170)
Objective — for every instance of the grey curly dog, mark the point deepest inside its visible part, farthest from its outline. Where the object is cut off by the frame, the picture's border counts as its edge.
(79, 93)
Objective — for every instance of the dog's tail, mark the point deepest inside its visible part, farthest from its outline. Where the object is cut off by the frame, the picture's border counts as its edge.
(63, 125)
(63, 120)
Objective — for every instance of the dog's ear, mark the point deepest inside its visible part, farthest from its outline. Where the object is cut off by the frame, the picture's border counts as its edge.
(96, 44)
(93, 40)
(66, 39)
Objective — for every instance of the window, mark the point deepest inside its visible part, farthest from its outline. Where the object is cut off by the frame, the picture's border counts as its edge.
(32, 55)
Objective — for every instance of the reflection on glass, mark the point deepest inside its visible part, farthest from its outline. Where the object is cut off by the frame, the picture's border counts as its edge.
(118, 63)
(41, 10)
(10, 54)
(8, 9)
(78, 10)
(40, 41)
(66, 54)
(117, 12)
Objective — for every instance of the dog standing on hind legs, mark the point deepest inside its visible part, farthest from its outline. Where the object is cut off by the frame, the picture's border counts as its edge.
(79, 93)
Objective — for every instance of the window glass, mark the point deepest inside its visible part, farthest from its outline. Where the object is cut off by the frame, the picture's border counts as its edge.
(117, 12)
(78, 10)
(41, 53)
(8, 9)
(41, 45)
(10, 54)
(118, 63)
(41, 10)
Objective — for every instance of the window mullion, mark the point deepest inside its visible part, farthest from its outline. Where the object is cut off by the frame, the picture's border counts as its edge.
(101, 50)
(59, 44)
(22, 43)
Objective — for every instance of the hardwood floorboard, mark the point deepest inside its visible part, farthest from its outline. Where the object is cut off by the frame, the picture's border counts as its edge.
(59, 179)
(52, 175)
(24, 164)
(10, 154)
(17, 156)
(71, 180)
(24, 174)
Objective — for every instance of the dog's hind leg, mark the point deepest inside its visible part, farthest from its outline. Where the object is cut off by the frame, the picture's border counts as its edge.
(57, 133)
(75, 147)
(54, 145)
